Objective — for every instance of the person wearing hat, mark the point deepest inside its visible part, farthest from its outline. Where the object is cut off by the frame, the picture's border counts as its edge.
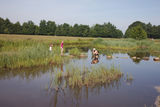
(95, 56)
(93, 51)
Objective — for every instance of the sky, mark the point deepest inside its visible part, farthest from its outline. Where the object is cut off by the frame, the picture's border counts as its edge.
(120, 13)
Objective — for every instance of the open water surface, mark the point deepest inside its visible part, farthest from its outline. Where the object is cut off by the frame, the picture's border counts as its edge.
(33, 87)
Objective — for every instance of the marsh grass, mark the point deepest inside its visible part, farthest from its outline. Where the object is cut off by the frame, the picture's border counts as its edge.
(90, 77)
(17, 51)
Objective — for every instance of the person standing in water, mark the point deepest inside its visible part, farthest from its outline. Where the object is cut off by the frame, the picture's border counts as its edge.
(62, 48)
(95, 56)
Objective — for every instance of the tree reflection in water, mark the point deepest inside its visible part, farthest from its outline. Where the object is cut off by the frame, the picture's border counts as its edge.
(139, 55)
(25, 73)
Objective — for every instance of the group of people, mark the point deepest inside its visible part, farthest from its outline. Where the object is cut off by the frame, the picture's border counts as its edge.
(61, 46)
(95, 53)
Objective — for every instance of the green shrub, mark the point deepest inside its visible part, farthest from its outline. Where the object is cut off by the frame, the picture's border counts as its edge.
(136, 32)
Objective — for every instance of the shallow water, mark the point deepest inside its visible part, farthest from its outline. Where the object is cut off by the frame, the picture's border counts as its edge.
(34, 87)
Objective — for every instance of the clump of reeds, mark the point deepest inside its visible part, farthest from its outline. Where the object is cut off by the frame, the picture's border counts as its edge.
(90, 77)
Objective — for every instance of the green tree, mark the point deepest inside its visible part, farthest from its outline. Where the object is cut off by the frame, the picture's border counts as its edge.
(155, 32)
(110, 30)
(1, 25)
(75, 30)
(36, 30)
(43, 27)
(28, 28)
(105, 30)
(66, 29)
(8, 26)
(136, 23)
(149, 30)
(136, 32)
(63, 30)
(17, 28)
(51, 28)
(83, 30)
(118, 34)
(96, 31)
(59, 30)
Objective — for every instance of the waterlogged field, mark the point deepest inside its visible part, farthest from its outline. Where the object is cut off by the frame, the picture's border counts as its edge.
(32, 76)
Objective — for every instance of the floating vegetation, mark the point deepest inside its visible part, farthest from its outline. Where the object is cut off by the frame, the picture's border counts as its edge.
(89, 77)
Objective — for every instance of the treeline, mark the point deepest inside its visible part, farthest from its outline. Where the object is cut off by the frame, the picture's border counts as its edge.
(51, 28)
(80, 30)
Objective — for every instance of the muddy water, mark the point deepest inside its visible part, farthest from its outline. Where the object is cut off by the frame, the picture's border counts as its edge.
(34, 87)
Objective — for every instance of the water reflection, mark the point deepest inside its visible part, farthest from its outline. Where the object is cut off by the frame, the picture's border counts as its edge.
(139, 55)
(28, 73)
